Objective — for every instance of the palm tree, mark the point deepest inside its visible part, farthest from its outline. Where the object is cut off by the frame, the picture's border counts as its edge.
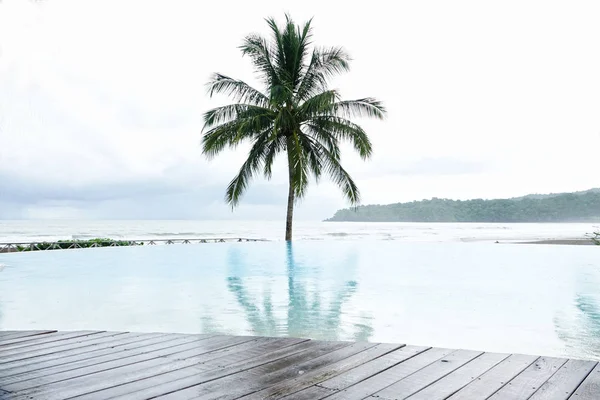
(296, 114)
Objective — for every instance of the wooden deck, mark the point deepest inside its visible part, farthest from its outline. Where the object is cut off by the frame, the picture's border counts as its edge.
(123, 365)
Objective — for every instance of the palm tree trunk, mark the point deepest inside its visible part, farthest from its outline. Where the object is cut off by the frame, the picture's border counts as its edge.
(290, 205)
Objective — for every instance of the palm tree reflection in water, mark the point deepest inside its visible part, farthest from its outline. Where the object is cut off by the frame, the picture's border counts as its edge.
(307, 315)
(581, 333)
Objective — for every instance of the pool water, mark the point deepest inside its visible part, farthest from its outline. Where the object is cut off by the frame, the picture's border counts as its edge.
(535, 299)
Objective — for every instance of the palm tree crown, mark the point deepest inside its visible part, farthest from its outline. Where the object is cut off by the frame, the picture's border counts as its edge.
(296, 113)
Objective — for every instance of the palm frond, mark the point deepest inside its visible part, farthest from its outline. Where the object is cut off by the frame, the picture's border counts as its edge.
(312, 155)
(231, 112)
(289, 46)
(367, 107)
(318, 104)
(274, 147)
(238, 185)
(257, 48)
(340, 176)
(298, 165)
(324, 64)
(231, 134)
(343, 130)
(279, 55)
(240, 91)
(324, 137)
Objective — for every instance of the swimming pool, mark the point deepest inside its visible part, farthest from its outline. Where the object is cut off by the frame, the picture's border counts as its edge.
(509, 298)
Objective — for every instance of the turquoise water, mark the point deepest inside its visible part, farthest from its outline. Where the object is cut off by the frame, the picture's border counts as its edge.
(510, 298)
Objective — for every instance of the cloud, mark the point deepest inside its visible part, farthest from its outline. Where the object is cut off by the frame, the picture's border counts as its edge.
(441, 166)
(23, 197)
(101, 115)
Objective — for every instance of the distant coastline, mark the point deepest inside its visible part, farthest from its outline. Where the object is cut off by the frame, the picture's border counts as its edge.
(560, 207)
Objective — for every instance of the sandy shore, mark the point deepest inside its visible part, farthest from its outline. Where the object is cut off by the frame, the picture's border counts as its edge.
(577, 242)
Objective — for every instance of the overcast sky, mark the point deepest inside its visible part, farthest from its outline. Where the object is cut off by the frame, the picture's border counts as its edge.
(101, 102)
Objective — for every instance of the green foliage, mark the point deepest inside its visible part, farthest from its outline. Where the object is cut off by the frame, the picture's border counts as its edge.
(295, 113)
(69, 244)
(566, 207)
(596, 238)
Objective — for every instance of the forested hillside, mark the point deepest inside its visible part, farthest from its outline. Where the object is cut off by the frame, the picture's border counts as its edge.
(562, 207)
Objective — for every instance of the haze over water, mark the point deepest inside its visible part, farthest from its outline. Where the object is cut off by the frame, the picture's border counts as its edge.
(29, 231)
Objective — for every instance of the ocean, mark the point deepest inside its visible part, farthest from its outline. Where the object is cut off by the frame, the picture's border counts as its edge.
(512, 298)
(51, 230)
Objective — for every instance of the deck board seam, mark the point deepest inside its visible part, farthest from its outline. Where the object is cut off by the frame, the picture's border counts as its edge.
(580, 383)
(123, 365)
(31, 336)
(380, 371)
(514, 377)
(572, 396)
(91, 350)
(336, 390)
(325, 366)
(58, 342)
(549, 377)
(258, 389)
(374, 395)
(474, 378)
(375, 373)
(348, 344)
(195, 367)
(173, 356)
(438, 379)
(279, 384)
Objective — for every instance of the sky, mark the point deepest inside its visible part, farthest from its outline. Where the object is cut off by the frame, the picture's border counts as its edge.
(101, 103)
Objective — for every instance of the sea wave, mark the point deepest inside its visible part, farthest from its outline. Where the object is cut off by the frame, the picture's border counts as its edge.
(86, 236)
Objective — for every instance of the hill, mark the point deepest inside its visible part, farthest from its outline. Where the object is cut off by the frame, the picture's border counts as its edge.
(560, 207)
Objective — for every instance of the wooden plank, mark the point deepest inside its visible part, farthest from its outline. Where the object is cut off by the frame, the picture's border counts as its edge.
(426, 376)
(22, 334)
(224, 358)
(7, 333)
(39, 339)
(487, 384)
(459, 378)
(104, 346)
(189, 377)
(307, 379)
(390, 376)
(272, 343)
(159, 348)
(74, 370)
(219, 343)
(91, 364)
(252, 380)
(46, 339)
(53, 340)
(590, 387)
(528, 381)
(52, 350)
(80, 386)
(311, 393)
(371, 368)
(565, 381)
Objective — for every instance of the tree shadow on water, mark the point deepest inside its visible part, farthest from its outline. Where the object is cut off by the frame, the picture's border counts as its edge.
(307, 313)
